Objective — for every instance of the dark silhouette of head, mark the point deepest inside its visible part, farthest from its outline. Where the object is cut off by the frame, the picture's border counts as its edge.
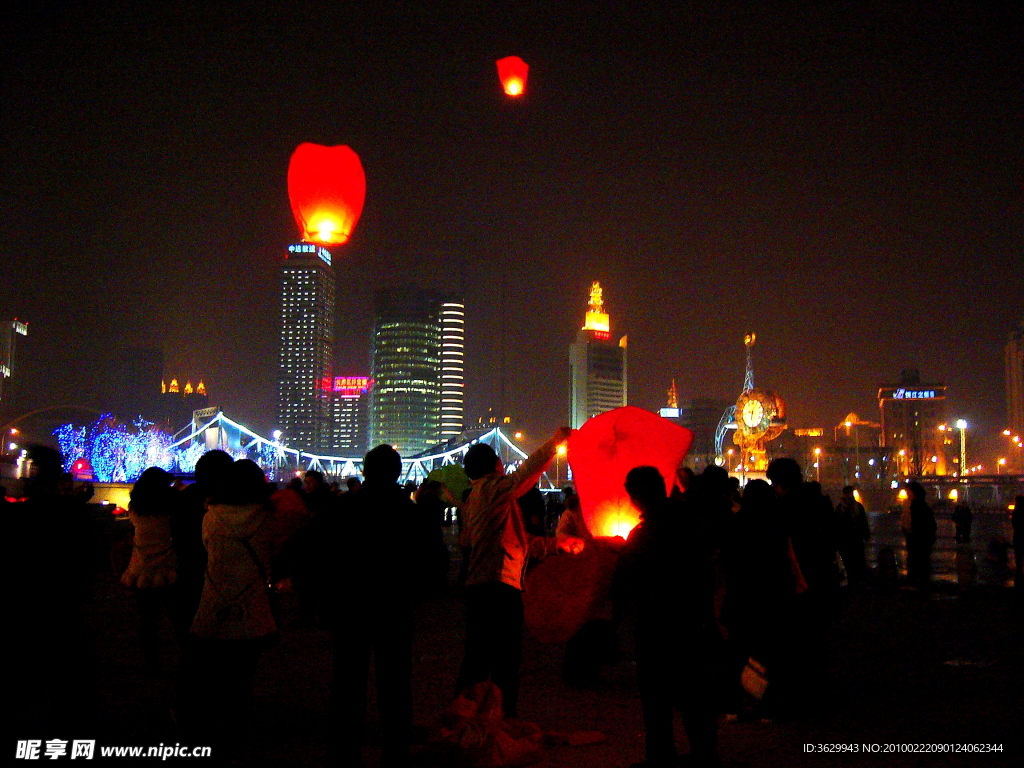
(153, 493)
(757, 495)
(480, 460)
(211, 469)
(313, 480)
(916, 491)
(685, 475)
(382, 464)
(848, 491)
(646, 488)
(45, 470)
(353, 483)
(244, 483)
(785, 475)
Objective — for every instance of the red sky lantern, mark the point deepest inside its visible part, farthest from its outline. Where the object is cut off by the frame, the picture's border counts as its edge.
(512, 72)
(326, 188)
(606, 447)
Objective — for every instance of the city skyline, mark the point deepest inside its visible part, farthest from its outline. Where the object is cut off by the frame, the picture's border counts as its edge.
(844, 183)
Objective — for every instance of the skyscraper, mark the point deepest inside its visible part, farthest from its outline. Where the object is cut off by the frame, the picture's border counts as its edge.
(597, 365)
(349, 412)
(307, 345)
(10, 329)
(417, 368)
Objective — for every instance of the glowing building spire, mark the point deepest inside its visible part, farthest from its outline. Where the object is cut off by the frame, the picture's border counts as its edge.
(174, 386)
(188, 387)
(201, 388)
(596, 318)
(673, 396)
(163, 387)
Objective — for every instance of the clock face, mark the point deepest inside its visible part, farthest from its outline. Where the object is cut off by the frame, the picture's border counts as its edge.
(753, 413)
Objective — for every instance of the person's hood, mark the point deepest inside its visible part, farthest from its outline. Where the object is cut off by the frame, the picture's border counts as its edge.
(237, 520)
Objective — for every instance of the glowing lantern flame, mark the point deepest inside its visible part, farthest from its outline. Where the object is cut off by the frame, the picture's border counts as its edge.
(606, 447)
(326, 189)
(512, 72)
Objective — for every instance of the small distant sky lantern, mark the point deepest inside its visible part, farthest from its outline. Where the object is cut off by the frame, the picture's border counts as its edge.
(512, 72)
(606, 447)
(326, 189)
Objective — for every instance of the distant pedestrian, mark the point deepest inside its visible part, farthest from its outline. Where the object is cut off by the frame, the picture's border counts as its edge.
(920, 536)
(852, 532)
(962, 520)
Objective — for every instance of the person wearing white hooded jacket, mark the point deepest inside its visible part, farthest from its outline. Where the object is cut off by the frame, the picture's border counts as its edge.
(234, 623)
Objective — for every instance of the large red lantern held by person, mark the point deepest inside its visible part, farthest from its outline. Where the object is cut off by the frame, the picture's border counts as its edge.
(606, 447)
(326, 189)
(512, 72)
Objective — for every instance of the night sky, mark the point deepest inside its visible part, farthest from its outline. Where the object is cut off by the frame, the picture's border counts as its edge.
(845, 179)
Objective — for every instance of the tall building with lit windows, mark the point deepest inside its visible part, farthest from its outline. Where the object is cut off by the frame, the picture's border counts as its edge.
(417, 368)
(453, 372)
(597, 365)
(348, 407)
(307, 346)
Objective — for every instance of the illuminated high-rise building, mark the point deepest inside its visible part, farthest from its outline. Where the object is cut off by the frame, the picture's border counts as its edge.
(418, 370)
(912, 413)
(307, 345)
(1015, 380)
(349, 415)
(597, 365)
(11, 329)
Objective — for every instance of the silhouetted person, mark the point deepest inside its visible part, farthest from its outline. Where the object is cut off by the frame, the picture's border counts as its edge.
(962, 519)
(499, 549)
(806, 516)
(531, 504)
(665, 573)
(373, 568)
(1017, 521)
(920, 536)
(852, 532)
(430, 518)
(153, 568)
(760, 586)
(234, 623)
(50, 562)
(187, 537)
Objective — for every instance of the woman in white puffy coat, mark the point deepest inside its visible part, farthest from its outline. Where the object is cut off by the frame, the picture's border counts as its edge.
(152, 570)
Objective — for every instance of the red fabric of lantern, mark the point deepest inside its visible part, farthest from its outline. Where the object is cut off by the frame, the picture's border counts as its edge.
(512, 72)
(326, 189)
(606, 447)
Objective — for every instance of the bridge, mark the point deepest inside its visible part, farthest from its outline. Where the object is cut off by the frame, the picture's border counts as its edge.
(212, 429)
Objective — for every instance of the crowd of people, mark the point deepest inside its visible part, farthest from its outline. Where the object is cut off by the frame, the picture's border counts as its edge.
(731, 590)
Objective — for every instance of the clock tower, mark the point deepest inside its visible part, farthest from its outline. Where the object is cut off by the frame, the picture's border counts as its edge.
(760, 417)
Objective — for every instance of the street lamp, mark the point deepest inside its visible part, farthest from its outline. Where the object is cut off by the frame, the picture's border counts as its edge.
(817, 464)
(560, 451)
(961, 424)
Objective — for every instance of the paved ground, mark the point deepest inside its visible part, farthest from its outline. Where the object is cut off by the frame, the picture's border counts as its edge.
(907, 669)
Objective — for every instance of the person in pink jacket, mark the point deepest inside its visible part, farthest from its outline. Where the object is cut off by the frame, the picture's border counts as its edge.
(499, 550)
